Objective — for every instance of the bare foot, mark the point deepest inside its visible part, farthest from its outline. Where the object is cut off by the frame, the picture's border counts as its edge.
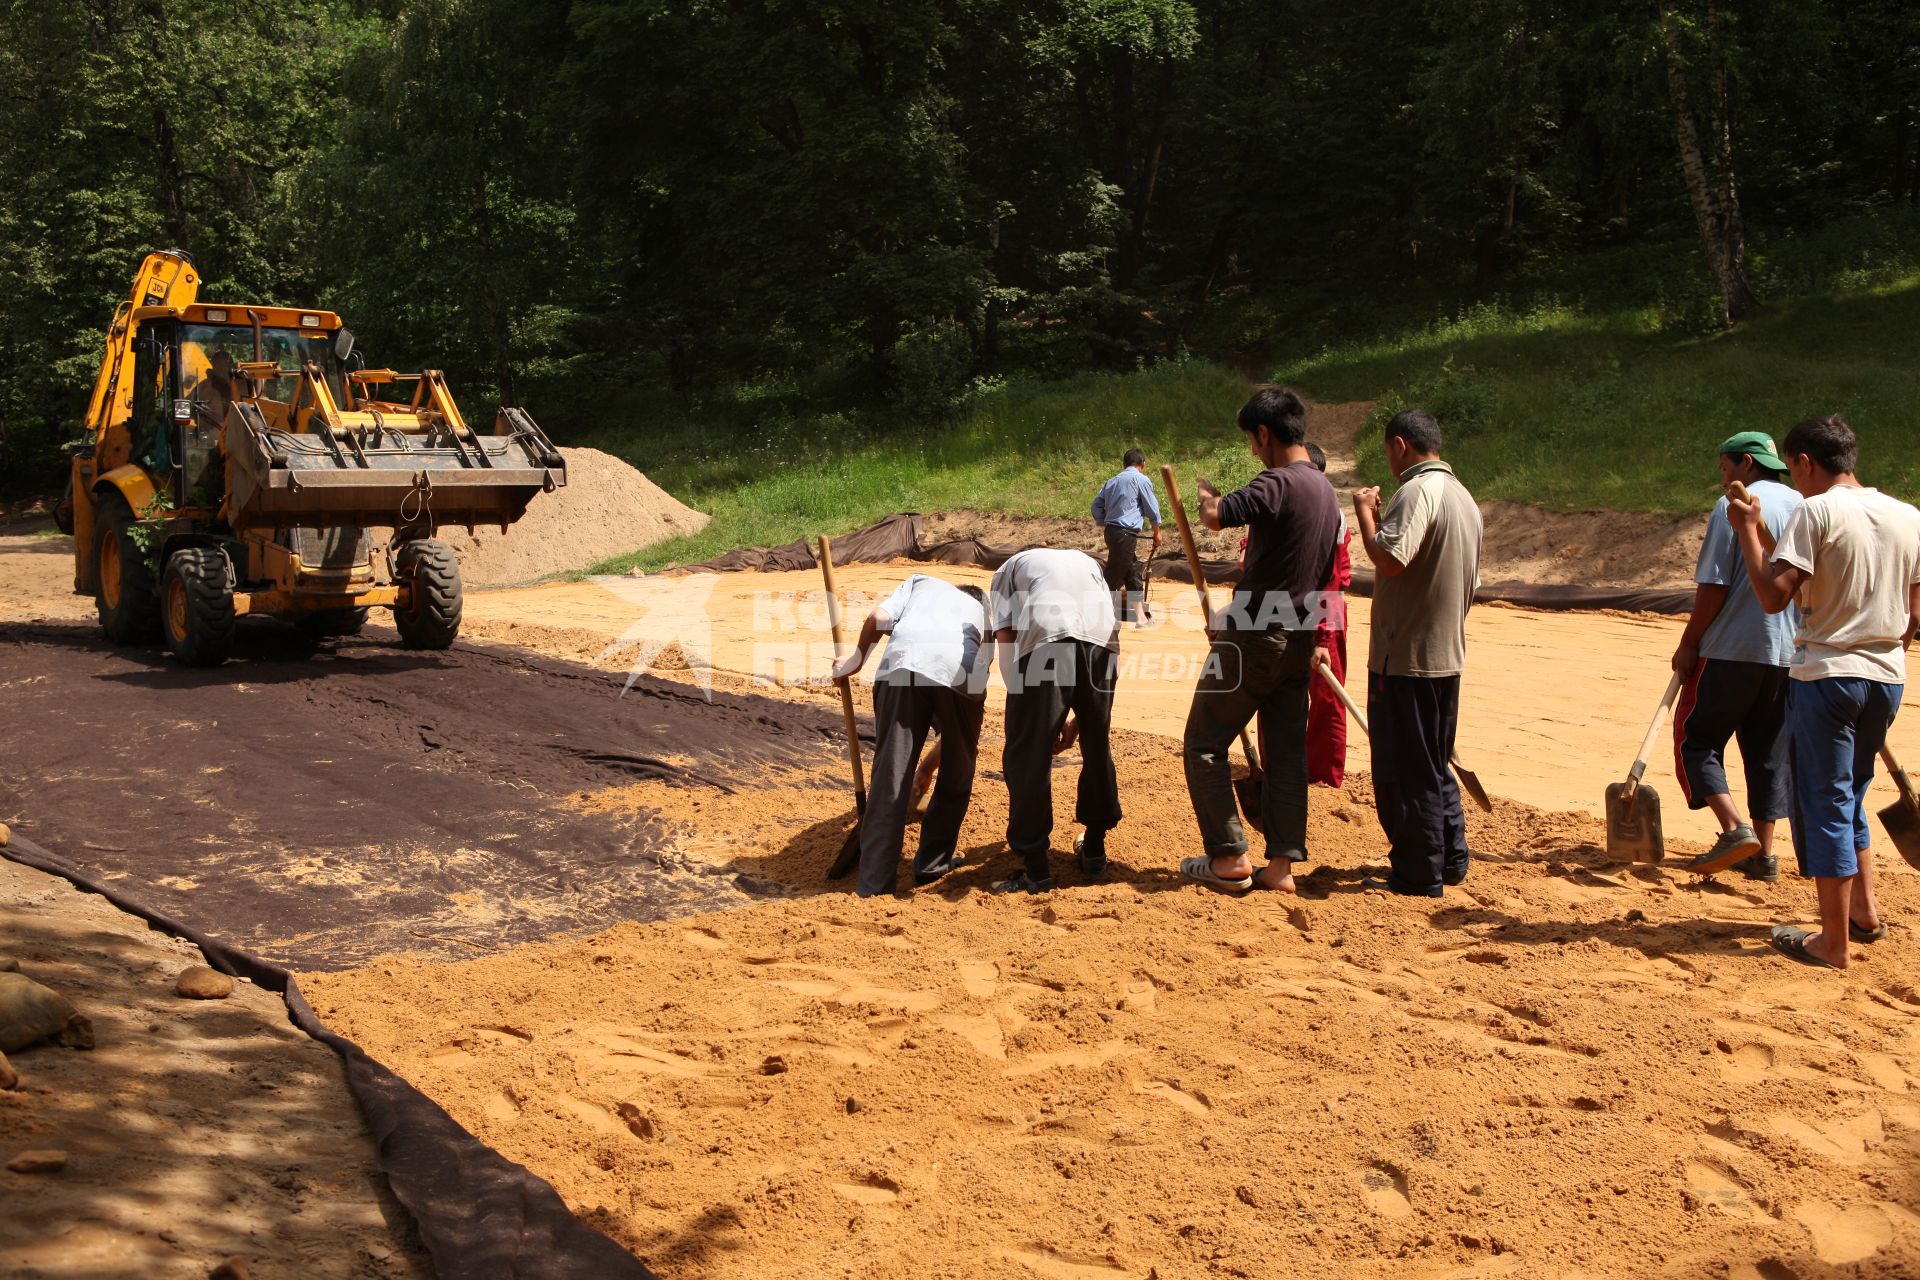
(1277, 876)
(1837, 957)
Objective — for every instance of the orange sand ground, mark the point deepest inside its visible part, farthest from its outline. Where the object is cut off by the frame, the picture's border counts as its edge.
(1566, 1069)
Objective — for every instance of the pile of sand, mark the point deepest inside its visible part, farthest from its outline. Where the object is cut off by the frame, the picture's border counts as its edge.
(606, 509)
(1563, 1069)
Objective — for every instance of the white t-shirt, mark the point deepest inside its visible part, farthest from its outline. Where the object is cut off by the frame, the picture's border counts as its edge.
(1044, 595)
(1861, 550)
(936, 634)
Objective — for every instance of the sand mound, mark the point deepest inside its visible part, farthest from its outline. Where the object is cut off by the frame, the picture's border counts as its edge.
(1563, 1069)
(606, 509)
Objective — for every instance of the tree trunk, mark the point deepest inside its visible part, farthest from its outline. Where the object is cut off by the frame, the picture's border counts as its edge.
(1733, 229)
(1714, 197)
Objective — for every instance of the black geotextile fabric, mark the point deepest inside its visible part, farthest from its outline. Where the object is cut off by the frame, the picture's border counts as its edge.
(321, 808)
(899, 537)
(481, 1216)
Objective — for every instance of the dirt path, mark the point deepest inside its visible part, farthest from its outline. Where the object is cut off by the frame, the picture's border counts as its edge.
(1553, 704)
(195, 1131)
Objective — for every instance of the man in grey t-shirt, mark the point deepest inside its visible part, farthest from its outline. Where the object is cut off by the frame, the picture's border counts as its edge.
(932, 678)
(1425, 549)
(1732, 660)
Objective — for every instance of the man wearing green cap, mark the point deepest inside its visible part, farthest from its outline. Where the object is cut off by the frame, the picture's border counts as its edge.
(1732, 660)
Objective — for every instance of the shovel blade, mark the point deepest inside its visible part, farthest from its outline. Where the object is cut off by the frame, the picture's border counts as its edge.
(1470, 783)
(1633, 825)
(1903, 828)
(1250, 791)
(849, 856)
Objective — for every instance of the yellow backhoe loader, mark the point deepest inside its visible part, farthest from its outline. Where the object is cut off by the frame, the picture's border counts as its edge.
(239, 460)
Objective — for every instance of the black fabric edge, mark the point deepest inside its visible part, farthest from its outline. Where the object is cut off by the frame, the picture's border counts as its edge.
(480, 1215)
(897, 537)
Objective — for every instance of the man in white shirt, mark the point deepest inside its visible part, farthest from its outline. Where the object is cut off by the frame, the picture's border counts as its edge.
(932, 677)
(1850, 558)
(1054, 621)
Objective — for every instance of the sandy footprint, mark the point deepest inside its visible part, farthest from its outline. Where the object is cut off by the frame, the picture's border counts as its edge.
(1385, 1190)
(1054, 1265)
(872, 1190)
(979, 978)
(848, 987)
(1846, 1235)
(1720, 1189)
(1749, 1064)
(1883, 1072)
(1089, 1057)
(979, 1030)
(1846, 1141)
(1189, 1100)
(1138, 997)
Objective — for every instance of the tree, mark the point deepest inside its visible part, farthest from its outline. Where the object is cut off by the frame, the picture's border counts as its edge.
(1711, 186)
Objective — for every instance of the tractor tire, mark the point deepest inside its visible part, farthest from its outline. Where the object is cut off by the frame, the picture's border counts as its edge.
(430, 571)
(126, 598)
(196, 594)
(332, 622)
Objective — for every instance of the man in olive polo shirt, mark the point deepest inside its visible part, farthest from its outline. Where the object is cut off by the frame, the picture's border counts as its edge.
(1425, 549)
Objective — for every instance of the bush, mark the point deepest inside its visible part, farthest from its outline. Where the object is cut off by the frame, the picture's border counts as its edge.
(930, 369)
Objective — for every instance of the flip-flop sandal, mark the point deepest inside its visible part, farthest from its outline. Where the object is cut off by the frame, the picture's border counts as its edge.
(1860, 933)
(1199, 869)
(1792, 943)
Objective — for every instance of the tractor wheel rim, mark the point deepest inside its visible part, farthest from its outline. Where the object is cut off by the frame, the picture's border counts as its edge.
(110, 570)
(177, 607)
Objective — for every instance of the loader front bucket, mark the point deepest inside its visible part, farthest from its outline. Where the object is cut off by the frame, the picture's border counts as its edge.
(383, 475)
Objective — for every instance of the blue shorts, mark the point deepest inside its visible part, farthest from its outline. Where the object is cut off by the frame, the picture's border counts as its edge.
(1835, 728)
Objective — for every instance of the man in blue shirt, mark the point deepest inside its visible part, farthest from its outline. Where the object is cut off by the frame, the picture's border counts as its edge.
(1733, 660)
(1124, 508)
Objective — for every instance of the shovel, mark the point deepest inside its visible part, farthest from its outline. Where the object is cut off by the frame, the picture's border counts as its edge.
(1902, 817)
(1634, 833)
(849, 855)
(1250, 790)
(1469, 781)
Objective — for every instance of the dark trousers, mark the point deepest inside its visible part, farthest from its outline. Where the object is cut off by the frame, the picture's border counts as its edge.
(1248, 674)
(1066, 675)
(902, 715)
(1414, 719)
(1126, 572)
(1747, 700)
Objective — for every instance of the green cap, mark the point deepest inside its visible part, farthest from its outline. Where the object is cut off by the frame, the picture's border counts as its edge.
(1756, 445)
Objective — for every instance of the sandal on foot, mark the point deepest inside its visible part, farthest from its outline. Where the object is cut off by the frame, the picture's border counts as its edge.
(1021, 883)
(1792, 943)
(1199, 869)
(1860, 933)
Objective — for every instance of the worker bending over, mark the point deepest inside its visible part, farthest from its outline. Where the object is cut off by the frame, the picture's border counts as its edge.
(1732, 660)
(933, 676)
(1850, 558)
(1054, 621)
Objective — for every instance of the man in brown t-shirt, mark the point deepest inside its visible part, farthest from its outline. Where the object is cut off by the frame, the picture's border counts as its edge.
(1264, 643)
(1425, 549)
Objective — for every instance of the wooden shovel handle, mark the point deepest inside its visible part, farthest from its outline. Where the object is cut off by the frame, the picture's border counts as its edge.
(846, 686)
(1200, 585)
(1900, 779)
(1653, 731)
(1737, 492)
(1346, 699)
